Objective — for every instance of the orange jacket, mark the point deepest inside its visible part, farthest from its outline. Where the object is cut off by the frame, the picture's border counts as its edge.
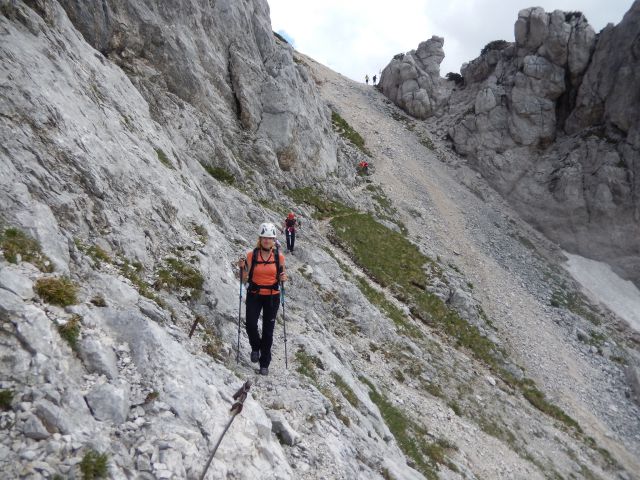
(265, 274)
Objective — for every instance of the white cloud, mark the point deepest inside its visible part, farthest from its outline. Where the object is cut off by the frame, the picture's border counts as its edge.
(359, 37)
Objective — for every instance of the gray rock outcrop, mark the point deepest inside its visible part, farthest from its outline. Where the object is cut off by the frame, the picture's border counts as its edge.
(412, 80)
(552, 122)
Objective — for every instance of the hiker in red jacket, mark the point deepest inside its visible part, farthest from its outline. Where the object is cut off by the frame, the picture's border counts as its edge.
(289, 226)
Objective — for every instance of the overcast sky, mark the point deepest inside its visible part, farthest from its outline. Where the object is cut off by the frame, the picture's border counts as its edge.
(356, 37)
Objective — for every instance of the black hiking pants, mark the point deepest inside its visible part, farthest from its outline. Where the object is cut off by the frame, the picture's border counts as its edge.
(291, 239)
(268, 304)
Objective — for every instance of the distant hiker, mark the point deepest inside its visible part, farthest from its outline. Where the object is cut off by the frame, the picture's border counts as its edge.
(366, 79)
(363, 167)
(289, 226)
(374, 79)
(263, 269)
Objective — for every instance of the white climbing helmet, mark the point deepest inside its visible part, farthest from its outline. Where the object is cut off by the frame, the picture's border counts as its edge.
(268, 230)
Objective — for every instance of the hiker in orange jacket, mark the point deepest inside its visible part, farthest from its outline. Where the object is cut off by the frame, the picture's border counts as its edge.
(264, 269)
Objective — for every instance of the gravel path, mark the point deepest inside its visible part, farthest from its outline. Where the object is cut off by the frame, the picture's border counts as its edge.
(477, 237)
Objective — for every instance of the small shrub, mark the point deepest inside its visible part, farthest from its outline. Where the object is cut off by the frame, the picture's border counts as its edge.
(455, 77)
(94, 465)
(14, 242)
(60, 291)
(346, 391)
(98, 254)
(308, 364)
(427, 142)
(221, 174)
(347, 132)
(98, 300)
(163, 158)
(201, 231)
(6, 396)
(70, 331)
(574, 302)
(453, 405)
(494, 45)
(177, 274)
(568, 16)
(151, 396)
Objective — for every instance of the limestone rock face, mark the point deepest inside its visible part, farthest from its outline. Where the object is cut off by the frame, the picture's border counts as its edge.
(552, 121)
(249, 80)
(412, 80)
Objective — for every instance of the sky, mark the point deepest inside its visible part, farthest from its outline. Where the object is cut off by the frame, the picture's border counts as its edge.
(358, 37)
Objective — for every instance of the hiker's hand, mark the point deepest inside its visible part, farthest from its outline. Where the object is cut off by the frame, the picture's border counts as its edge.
(242, 262)
(284, 277)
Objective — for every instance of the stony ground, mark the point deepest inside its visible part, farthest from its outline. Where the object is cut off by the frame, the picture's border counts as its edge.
(471, 227)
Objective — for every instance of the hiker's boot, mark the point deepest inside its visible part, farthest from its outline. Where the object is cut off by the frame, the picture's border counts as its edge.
(264, 371)
(255, 356)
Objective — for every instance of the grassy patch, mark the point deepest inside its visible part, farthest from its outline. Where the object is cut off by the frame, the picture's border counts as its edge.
(94, 465)
(308, 364)
(213, 345)
(15, 243)
(164, 159)
(345, 389)
(345, 130)
(411, 437)
(324, 208)
(60, 291)
(70, 331)
(433, 389)
(491, 427)
(335, 406)
(202, 233)
(177, 274)
(95, 252)
(133, 272)
(221, 174)
(536, 398)
(370, 244)
(378, 299)
(427, 142)
(576, 303)
(6, 396)
(343, 266)
(273, 205)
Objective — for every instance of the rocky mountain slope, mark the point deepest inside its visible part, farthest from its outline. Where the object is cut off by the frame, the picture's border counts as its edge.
(431, 332)
(550, 120)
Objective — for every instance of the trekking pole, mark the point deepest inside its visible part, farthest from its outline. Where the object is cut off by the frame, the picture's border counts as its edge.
(240, 396)
(239, 315)
(284, 321)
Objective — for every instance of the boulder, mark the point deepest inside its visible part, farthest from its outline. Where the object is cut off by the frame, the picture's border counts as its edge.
(98, 358)
(109, 402)
(16, 283)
